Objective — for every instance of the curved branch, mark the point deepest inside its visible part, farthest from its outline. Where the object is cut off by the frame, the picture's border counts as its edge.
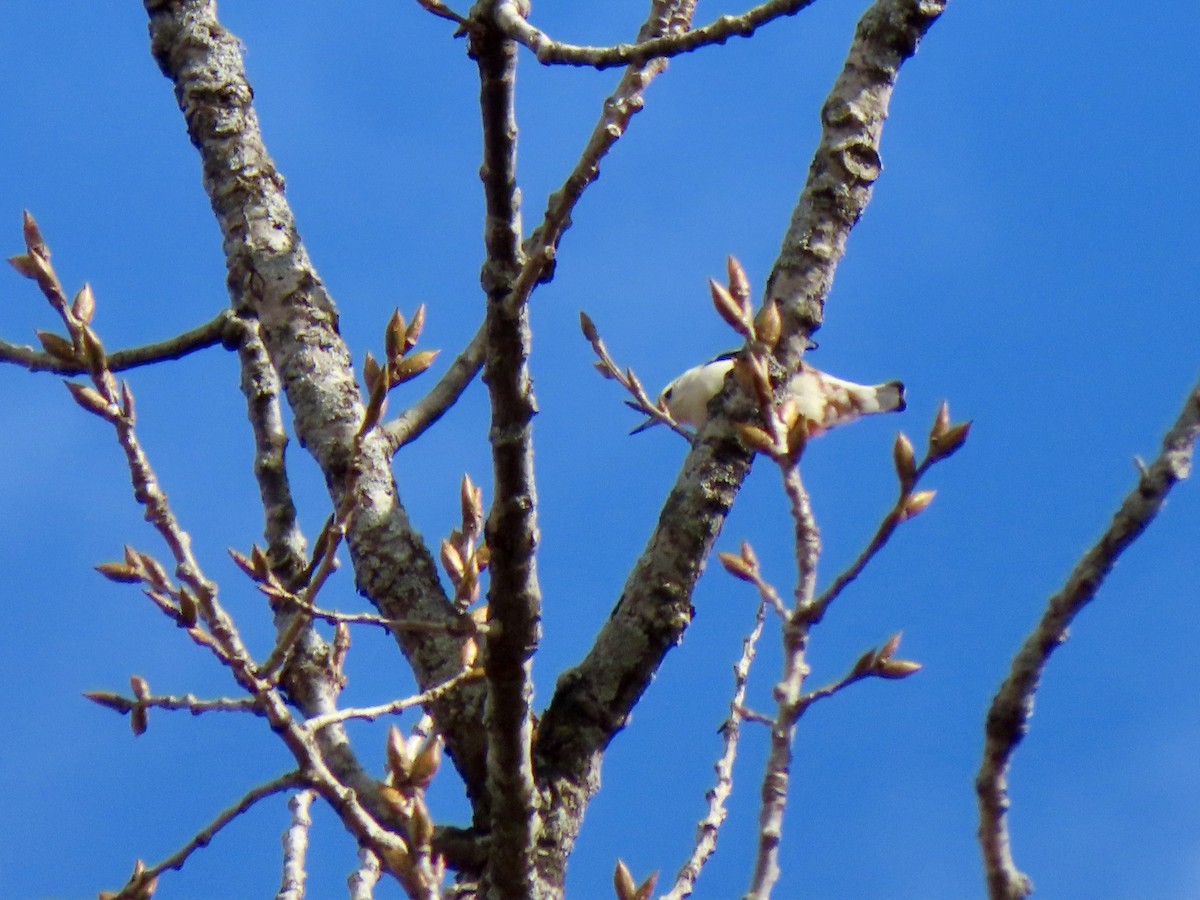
(214, 331)
(1008, 717)
(646, 48)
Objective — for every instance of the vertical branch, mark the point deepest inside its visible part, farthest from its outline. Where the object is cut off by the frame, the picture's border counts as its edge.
(514, 597)
(789, 695)
(1008, 717)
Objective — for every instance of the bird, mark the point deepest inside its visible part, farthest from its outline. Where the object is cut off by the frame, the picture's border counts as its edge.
(822, 400)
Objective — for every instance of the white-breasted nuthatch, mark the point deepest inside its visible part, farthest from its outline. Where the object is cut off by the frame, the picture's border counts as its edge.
(822, 400)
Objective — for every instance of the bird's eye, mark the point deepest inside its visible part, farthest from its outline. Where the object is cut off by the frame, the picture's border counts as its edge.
(666, 395)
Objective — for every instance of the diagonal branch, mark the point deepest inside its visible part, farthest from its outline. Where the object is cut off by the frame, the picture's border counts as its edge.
(271, 277)
(1008, 717)
(413, 422)
(592, 701)
(549, 51)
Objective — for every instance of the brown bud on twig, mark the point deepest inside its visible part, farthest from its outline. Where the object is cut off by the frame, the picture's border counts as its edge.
(626, 888)
(410, 367)
(399, 763)
(393, 336)
(57, 346)
(371, 371)
(941, 422)
(739, 284)
(34, 242)
(84, 304)
(755, 438)
(949, 441)
(122, 573)
(906, 466)
(452, 561)
(93, 351)
(916, 504)
(897, 668)
(737, 567)
(189, 612)
(413, 333)
(91, 400)
(768, 324)
(589, 327)
(28, 265)
(420, 825)
(425, 763)
(735, 316)
(471, 500)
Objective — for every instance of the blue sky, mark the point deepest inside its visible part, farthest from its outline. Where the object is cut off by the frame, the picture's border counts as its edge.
(1029, 255)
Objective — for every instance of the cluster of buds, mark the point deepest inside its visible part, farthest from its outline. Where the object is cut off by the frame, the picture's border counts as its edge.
(411, 765)
(882, 663)
(464, 556)
(627, 888)
(141, 568)
(139, 887)
(400, 364)
(945, 439)
(732, 301)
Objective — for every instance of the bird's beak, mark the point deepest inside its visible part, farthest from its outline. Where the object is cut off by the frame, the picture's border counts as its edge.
(649, 423)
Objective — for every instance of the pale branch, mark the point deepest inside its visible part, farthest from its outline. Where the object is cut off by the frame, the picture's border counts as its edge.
(718, 795)
(371, 713)
(215, 331)
(1008, 717)
(514, 595)
(186, 702)
(271, 276)
(365, 876)
(204, 836)
(549, 51)
(414, 421)
(442, 11)
(788, 692)
(295, 847)
(844, 167)
(666, 16)
(260, 386)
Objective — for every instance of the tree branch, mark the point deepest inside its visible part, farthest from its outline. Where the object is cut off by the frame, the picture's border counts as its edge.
(271, 276)
(592, 701)
(514, 596)
(549, 51)
(214, 331)
(1008, 717)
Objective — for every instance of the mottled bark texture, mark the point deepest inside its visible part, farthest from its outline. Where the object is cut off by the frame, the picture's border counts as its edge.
(270, 277)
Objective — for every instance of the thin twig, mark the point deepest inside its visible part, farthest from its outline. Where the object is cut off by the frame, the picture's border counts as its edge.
(1008, 717)
(214, 331)
(370, 713)
(204, 836)
(707, 830)
(549, 51)
(185, 702)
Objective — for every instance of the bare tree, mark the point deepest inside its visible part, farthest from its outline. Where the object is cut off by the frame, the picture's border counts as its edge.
(471, 638)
